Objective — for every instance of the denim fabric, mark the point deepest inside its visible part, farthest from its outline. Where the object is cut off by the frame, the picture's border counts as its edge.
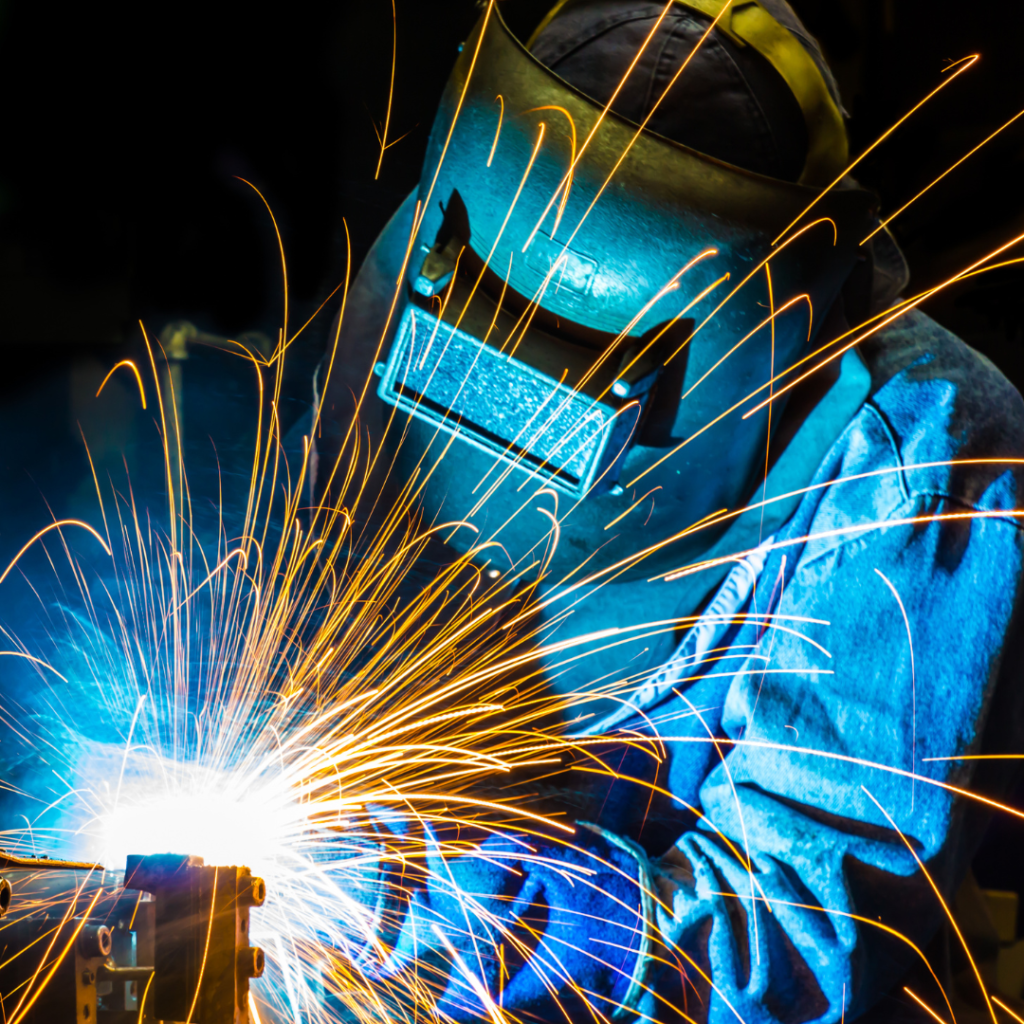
(896, 622)
(880, 635)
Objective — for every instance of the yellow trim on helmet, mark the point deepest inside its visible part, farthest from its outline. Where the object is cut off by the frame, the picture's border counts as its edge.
(548, 18)
(748, 23)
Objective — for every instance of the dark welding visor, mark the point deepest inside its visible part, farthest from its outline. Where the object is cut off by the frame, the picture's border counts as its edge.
(568, 279)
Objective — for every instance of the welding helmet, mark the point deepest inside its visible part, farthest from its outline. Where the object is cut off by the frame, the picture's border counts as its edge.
(590, 310)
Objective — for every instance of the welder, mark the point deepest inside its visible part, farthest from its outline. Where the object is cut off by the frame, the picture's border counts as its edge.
(633, 238)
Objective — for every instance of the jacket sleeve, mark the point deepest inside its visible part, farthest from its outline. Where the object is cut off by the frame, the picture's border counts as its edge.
(834, 783)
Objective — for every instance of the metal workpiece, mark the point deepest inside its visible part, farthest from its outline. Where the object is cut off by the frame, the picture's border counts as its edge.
(166, 941)
(202, 957)
(12, 862)
(94, 940)
(252, 890)
(6, 895)
(68, 932)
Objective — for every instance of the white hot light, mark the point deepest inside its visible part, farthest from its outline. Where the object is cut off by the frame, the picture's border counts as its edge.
(200, 814)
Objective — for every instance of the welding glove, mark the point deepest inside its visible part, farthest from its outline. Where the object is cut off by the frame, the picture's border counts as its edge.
(540, 924)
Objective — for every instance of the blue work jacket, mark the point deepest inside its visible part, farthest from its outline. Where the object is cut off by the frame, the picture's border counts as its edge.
(811, 727)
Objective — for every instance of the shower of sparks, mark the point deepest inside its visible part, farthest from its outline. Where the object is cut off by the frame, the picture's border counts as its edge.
(272, 694)
(267, 693)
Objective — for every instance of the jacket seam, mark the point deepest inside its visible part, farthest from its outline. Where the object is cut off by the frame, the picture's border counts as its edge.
(907, 505)
(994, 515)
(604, 26)
(894, 446)
(909, 492)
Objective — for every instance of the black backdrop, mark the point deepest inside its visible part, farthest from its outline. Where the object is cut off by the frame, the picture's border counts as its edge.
(123, 127)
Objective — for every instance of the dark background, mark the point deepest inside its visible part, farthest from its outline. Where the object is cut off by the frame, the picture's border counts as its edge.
(124, 126)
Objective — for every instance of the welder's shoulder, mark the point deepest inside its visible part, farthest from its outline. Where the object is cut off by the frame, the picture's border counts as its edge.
(944, 403)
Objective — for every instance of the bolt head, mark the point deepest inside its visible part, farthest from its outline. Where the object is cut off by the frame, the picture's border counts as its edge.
(251, 962)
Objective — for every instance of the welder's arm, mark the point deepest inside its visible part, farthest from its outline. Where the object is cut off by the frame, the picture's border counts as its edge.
(815, 785)
(819, 746)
